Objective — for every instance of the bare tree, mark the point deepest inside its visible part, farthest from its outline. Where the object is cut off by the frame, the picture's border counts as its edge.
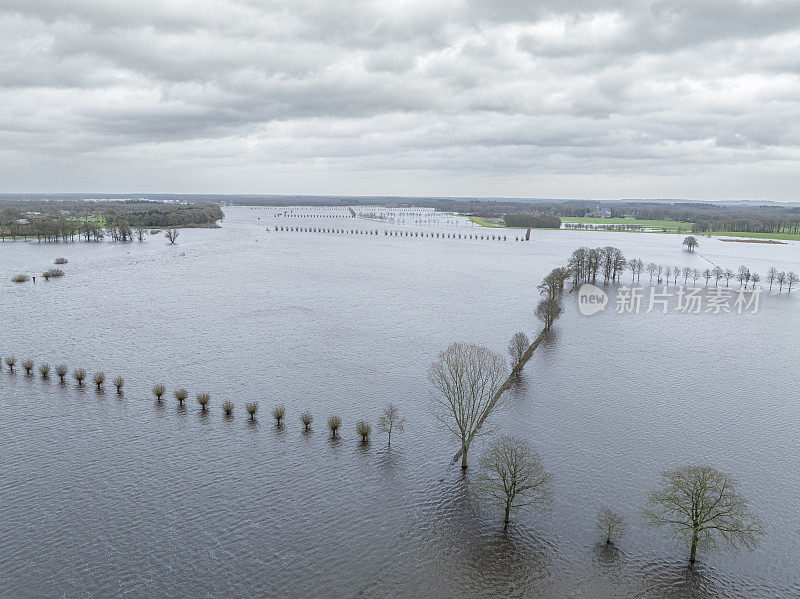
(707, 275)
(79, 375)
(390, 421)
(781, 278)
(517, 346)
(203, 399)
(512, 477)
(306, 418)
(466, 382)
(118, 383)
(171, 234)
(702, 505)
(278, 412)
(772, 274)
(791, 279)
(44, 370)
(611, 524)
(755, 277)
(251, 407)
(363, 428)
(686, 272)
(651, 270)
(548, 311)
(159, 390)
(334, 424)
(691, 243)
(99, 378)
(140, 231)
(27, 364)
(61, 371)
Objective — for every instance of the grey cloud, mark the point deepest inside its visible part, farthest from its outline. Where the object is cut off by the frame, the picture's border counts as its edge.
(629, 88)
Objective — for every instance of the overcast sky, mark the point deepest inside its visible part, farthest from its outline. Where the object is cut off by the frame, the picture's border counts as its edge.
(556, 98)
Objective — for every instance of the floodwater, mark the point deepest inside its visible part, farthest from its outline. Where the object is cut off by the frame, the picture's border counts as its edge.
(102, 495)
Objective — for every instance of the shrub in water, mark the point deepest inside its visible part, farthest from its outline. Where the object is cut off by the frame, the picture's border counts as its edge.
(306, 418)
(28, 366)
(227, 406)
(159, 390)
(44, 370)
(203, 399)
(99, 378)
(61, 261)
(180, 394)
(79, 375)
(278, 412)
(252, 408)
(20, 278)
(363, 429)
(10, 361)
(334, 422)
(118, 383)
(61, 371)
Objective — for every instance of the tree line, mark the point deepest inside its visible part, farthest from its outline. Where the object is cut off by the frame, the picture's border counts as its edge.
(91, 221)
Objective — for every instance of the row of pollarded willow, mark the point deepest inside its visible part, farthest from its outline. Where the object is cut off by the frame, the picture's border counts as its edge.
(61, 370)
(743, 275)
(389, 421)
(389, 233)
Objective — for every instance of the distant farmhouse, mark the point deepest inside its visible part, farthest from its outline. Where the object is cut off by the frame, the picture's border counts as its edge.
(598, 213)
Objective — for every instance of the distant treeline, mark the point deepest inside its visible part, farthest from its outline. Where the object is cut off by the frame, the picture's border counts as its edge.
(704, 217)
(69, 218)
(537, 220)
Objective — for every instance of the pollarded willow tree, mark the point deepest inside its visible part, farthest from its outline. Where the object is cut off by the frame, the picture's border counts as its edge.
(466, 382)
(703, 506)
(512, 477)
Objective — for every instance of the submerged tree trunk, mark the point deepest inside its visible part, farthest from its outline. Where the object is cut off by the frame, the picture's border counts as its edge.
(694, 547)
(464, 449)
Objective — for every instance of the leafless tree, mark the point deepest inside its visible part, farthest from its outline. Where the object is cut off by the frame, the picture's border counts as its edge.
(772, 274)
(728, 274)
(203, 399)
(791, 279)
(651, 270)
(517, 346)
(334, 423)
(390, 421)
(548, 311)
(99, 378)
(252, 408)
(79, 375)
(306, 418)
(171, 234)
(180, 394)
(363, 428)
(28, 366)
(44, 370)
(118, 383)
(781, 278)
(140, 231)
(755, 278)
(512, 477)
(227, 407)
(159, 390)
(686, 272)
(702, 505)
(610, 524)
(61, 371)
(466, 381)
(707, 275)
(691, 243)
(278, 412)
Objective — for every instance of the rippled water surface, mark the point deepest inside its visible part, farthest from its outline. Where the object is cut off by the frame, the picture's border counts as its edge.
(103, 495)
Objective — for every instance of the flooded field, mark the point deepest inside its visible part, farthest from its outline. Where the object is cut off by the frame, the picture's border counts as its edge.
(102, 495)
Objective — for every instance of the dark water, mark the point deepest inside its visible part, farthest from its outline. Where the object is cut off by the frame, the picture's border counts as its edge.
(107, 496)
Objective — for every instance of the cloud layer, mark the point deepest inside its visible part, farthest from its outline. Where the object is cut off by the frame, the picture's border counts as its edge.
(631, 98)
